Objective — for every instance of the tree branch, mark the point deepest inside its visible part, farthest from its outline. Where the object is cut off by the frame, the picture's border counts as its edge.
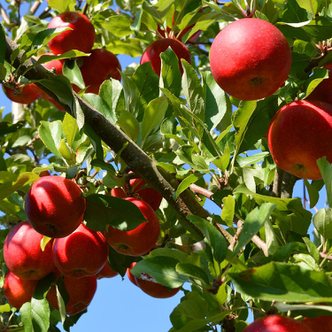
(129, 151)
(283, 184)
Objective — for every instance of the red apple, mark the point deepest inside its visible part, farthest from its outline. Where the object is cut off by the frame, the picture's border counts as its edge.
(149, 286)
(139, 189)
(55, 66)
(55, 206)
(18, 290)
(79, 36)
(140, 240)
(23, 254)
(107, 272)
(250, 59)
(276, 323)
(22, 93)
(82, 253)
(324, 323)
(152, 53)
(99, 66)
(80, 292)
(298, 135)
(118, 192)
(323, 92)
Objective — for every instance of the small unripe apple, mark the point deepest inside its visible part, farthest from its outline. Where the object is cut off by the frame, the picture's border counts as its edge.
(80, 292)
(276, 323)
(99, 66)
(18, 290)
(81, 253)
(140, 240)
(23, 254)
(149, 286)
(152, 53)
(250, 59)
(55, 206)
(79, 36)
(298, 135)
(22, 93)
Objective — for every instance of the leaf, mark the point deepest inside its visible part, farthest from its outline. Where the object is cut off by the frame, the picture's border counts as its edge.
(102, 211)
(193, 90)
(284, 282)
(162, 269)
(153, 116)
(326, 170)
(35, 315)
(69, 128)
(129, 124)
(62, 5)
(253, 223)
(72, 71)
(185, 183)
(213, 237)
(228, 210)
(310, 6)
(323, 222)
(193, 272)
(51, 133)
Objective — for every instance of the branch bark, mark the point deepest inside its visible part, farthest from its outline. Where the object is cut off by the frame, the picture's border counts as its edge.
(129, 151)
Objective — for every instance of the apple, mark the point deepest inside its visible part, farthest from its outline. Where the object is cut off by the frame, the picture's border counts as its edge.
(149, 286)
(79, 36)
(298, 135)
(141, 190)
(250, 59)
(82, 253)
(23, 254)
(22, 93)
(152, 53)
(118, 192)
(18, 290)
(55, 65)
(323, 322)
(323, 91)
(140, 240)
(79, 291)
(276, 323)
(99, 66)
(107, 272)
(55, 206)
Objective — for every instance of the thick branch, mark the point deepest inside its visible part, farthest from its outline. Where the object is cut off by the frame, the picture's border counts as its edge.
(129, 151)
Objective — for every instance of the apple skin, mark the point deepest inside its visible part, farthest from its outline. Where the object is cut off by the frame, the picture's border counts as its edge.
(152, 53)
(323, 323)
(18, 290)
(82, 253)
(140, 240)
(80, 293)
(323, 92)
(298, 135)
(80, 36)
(107, 272)
(22, 93)
(276, 323)
(23, 254)
(149, 286)
(55, 206)
(99, 66)
(250, 59)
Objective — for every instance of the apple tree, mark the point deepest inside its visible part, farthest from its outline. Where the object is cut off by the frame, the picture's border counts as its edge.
(184, 162)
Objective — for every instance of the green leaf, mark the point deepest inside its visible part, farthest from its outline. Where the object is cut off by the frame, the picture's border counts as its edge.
(51, 134)
(193, 271)
(129, 124)
(118, 25)
(69, 128)
(35, 315)
(253, 223)
(162, 269)
(102, 211)
(213, 237)
(193, 90)
(185, 183)
(2, 52)
(323, 222)
(326, 170)
(170, 77)
(62, 5)
(153, 116)
(217, 110)
(228, 210)
(310, 6)
(283, 282)
(72, 71)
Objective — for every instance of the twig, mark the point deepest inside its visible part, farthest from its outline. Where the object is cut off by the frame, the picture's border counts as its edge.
(5, 15)
(202, 191)
(283, 184)
(35, 7)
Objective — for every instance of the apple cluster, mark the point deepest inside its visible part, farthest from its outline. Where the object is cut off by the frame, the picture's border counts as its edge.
(251, 59)
(278, 323)
(54, 241)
